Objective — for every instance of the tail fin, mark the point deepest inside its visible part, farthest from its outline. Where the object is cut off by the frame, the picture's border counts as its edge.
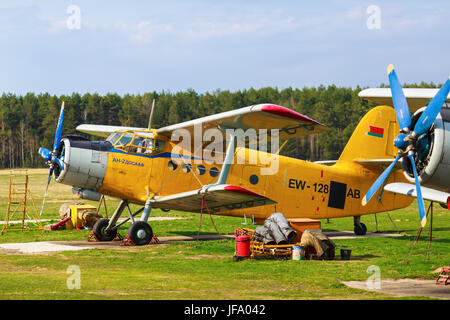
(373, 137)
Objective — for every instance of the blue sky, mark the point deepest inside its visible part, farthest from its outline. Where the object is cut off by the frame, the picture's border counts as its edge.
(141, 46)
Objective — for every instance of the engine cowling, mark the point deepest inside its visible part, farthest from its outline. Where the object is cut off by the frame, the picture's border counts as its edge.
(84, 163)
(432, 154)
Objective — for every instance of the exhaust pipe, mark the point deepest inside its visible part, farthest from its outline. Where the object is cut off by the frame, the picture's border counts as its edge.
(87, 194)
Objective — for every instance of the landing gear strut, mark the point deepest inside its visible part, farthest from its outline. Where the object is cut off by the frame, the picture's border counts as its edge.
(360, 228)
(139, 232)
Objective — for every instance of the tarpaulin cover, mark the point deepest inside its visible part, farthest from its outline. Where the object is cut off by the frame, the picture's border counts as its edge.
(321, 243)
(276, 230)
(262, 235)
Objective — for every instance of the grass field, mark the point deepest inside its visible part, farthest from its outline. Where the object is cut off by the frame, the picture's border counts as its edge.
(206, 270)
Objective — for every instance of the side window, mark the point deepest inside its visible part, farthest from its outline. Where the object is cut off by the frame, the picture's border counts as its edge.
(148, 145)
(137, 145)
(159, 145)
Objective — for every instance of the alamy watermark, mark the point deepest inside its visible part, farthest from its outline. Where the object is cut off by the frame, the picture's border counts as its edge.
(74, 280)
(73, 22)
(374, 20)
(374, 281)
(213, 144)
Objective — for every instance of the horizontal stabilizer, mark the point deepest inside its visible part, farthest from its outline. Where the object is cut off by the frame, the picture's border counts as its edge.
(410, 190)
(383, 163)
(223, 197)
(326, 162)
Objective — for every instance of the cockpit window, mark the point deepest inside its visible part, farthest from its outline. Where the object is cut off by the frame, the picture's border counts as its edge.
(113, 137)
(124, 140)
(136, 142)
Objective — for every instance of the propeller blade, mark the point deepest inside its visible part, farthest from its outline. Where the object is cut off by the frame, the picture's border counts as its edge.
(59, 129)
(423, 217)
(434, 107)
(379, 182)
(45, 153)
(399, 100)
(46, 188)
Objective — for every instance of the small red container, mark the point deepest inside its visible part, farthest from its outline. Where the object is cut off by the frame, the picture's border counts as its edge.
(243, 246)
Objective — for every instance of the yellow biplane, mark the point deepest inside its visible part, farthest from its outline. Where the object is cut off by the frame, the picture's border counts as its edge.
(212, 163)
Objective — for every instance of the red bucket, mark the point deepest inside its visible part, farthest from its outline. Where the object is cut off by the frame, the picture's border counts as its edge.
(243, 246)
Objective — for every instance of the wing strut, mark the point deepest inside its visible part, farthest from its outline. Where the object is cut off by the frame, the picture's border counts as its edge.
(228, 161)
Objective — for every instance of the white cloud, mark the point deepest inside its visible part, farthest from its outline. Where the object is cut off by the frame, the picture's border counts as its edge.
(208, 26)
(355, 13)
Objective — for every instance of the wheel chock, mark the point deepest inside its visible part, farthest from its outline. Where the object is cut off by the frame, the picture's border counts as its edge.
(93, 238)
(128, 242)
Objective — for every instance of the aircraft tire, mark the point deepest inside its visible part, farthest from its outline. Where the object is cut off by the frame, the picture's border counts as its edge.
(360, 229)
(99, 230)
(140, 233)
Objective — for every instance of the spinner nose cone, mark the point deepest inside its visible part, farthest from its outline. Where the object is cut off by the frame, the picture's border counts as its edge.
(400, 142)
(61, 166)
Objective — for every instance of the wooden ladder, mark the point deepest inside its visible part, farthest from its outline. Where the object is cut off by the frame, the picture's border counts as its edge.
(18, 203)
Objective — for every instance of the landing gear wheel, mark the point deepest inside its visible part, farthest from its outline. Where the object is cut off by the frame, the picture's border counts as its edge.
(100, 233)
(360, 229)
(140, 233)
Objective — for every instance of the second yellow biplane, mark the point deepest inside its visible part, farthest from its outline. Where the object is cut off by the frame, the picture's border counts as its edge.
(177, 167)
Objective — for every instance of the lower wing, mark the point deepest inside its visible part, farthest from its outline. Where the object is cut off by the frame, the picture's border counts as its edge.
(216, 198)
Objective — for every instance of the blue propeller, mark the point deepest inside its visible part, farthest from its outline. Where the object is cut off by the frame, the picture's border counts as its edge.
(59, 127)
(51, 157)
(408, 137)
(399, 100)
(374, 188)
(434, 107)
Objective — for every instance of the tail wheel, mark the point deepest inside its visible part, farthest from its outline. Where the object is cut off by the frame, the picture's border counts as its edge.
(100, 232)
(140, 233)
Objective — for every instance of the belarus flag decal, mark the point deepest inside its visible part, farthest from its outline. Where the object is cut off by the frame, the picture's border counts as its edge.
(375, 132)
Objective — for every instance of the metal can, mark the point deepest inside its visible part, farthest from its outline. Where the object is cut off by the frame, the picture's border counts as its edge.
(296, 253)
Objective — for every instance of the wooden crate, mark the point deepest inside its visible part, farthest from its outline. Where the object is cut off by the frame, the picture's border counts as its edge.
(301, 224)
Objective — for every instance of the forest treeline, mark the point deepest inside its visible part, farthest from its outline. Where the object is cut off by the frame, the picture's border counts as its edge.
(28, 122)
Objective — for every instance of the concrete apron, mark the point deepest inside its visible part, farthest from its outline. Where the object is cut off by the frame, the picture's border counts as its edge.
(404, 288)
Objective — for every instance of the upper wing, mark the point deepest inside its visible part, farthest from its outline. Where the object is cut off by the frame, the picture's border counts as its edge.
(103, 131)
(218, 198)
(290, 124)
(262, 116)
(416, 97)
(427, 193)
